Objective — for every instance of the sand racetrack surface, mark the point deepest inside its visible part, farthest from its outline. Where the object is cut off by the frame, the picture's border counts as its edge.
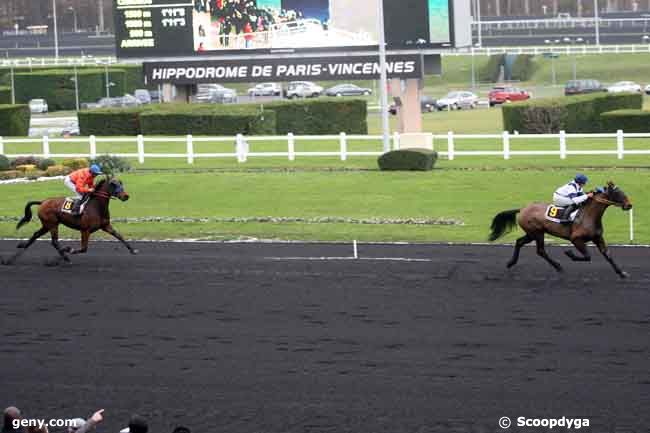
(242, 338)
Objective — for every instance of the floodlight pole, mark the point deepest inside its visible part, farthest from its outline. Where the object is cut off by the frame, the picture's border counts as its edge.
(385, 123)
(596, 22)
(478, 15)
(76, 87)
(56, 31)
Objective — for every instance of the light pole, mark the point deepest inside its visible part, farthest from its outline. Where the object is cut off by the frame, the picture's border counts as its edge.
(552, 55)
(56, 31)
(101, 15)
(597, 22)
(383, 78)
(478, 16)
(74, 16)
(572, 41)
(76, 87)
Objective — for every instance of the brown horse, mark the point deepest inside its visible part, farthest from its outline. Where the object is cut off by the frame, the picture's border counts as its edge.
(95, 217)
(587, 227)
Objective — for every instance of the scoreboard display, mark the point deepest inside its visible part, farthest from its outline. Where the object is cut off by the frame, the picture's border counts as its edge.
(185, 28)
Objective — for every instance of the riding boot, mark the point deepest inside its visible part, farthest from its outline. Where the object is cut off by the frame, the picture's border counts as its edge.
(566, 216)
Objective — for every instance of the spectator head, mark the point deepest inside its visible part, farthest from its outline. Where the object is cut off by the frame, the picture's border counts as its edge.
(181, 429)
(137, 424)
(10, 414)
(75, 424)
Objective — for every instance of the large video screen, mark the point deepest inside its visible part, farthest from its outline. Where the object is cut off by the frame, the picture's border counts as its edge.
(169, 28)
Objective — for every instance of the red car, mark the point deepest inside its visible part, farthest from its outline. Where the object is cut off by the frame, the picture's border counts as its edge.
(499, 95)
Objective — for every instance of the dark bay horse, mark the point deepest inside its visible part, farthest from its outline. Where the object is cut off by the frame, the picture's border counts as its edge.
(95, 217)
(587, 227)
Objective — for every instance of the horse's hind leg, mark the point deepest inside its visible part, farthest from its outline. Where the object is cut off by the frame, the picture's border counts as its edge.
(24, 245)
(581, 246)
(85, 236)
(541, 251)
(602, 247)
(110, 230)
(54, 232)
(520, 243)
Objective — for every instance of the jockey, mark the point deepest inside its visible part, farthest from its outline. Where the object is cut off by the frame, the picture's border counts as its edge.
(82, 182)
(571, 195)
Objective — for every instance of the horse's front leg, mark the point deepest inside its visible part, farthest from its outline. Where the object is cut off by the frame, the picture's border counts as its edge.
(541, 251)
(85, 237)
(602, 247)
(111, 231)
(581, 246)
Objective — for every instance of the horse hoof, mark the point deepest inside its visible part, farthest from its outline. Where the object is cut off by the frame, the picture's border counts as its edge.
(66, 249)
(510, 265)
(624, 275)
(135, 252)
(21, 245)
(570, 254)
(66, 259)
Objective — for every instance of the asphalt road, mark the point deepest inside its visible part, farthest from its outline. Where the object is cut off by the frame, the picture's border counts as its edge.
(270, 338)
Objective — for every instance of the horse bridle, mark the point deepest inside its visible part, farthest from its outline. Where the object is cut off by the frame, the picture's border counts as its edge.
(607, 202)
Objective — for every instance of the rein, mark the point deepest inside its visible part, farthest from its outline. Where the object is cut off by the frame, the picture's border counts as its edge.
(102, 194)
(607, 202)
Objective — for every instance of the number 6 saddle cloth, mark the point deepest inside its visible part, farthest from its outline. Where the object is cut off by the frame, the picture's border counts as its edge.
(74, 206)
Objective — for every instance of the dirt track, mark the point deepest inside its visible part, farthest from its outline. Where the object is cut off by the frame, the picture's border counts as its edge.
(222, 339)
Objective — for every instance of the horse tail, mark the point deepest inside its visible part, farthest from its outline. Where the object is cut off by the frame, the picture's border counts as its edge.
(28, 214)
(503, 223)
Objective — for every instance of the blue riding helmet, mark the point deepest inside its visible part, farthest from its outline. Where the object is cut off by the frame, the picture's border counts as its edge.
(94, 169)
(581, 179)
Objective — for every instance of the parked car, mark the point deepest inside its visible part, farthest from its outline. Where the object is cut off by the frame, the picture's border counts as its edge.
(502, 94)
(579, 87)
(348, 90)
(457, 100)
(624, 86)
(427, 105)
(215, 94)
(38, 106)
(129, 101)
(303, 89)
(143, 96)
(265, 89)
(155, 96)
(70, 131)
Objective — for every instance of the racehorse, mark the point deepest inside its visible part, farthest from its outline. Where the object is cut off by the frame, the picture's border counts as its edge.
(95, 217)
(587, 227)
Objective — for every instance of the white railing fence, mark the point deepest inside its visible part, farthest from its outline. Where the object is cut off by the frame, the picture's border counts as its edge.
(446, 145)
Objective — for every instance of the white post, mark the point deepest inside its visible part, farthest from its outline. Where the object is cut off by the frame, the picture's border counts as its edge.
(13, 87)
(450, 145)
(620, 147)
(396, 143)
(430, 140)
(241, 148)
(140, 149)
(344, 146)
(2, 147)
(190, 149)
(631, 225)
(93, 146)
(506, 145)
(383, 78)
(562, 145)
(46, 146)
(354, 249)
(292, 146)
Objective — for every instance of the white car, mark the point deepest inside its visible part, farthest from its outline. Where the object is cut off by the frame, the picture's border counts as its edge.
(38, 106)
(457, 100)
(303, 89)
(624, 86)
(214, 94)
(265, 89)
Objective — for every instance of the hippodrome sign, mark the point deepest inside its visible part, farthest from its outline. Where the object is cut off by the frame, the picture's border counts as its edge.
(288, 69)
(182, 28)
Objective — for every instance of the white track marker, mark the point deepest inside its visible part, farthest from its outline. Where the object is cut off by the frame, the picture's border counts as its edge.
(354, 246)
(379, 259)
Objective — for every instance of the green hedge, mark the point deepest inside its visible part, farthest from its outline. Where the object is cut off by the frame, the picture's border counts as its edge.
(58, 88)
(626, 120)
(318, 117)
(574, 114)
(308, 117)
(5, 95)
(14, 120)
(489, 73)
(408, 159)
(110, 121)
(207, 119)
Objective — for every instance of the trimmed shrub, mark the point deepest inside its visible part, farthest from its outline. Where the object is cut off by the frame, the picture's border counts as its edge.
(14, 120)
(5, 95)
(207, 119)
(523, 68)
(10, 174)
(5, 163)
(110, 121)
(408, 159)
(112, 164)
(26, 167)
(44, 164)
(626, 120)
(25, 160)
(317, 117)
(34, 174)
(57, 170)
(57, 87)
(489, 73)
(76, 163)
(572, 114)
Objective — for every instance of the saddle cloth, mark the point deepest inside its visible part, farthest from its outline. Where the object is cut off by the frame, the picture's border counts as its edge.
(555, 213)
(71, 203)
